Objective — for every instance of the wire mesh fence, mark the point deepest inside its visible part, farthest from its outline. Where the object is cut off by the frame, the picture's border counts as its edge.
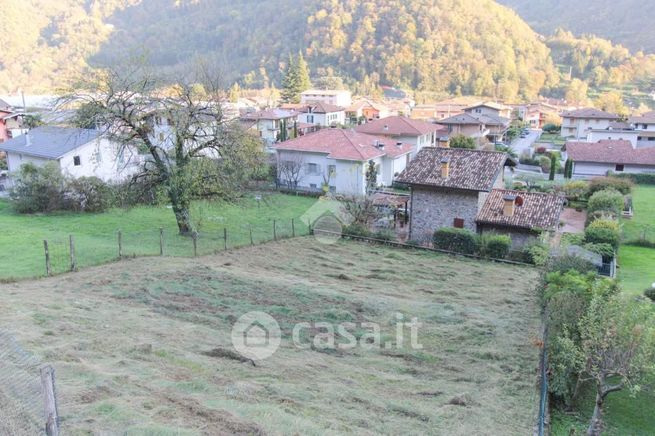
(21, 397)
(61, 255)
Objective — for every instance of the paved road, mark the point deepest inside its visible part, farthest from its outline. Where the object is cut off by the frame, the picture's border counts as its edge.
(521, 144)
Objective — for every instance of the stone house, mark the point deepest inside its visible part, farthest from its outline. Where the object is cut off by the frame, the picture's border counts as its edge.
(449, 186)
(523, 216)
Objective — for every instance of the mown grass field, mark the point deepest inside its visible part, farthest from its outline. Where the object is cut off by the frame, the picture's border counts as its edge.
(134, 342)
(96, 240)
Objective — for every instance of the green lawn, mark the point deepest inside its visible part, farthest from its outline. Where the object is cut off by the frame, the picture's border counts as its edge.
(636, 268)
(643, 204)
(95, 235)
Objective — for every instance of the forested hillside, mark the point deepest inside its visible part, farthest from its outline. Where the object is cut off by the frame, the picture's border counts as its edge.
(625, 22)
(468, 46)
(443, 46)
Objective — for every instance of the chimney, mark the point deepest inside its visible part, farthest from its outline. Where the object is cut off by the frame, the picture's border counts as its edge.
(445, 167)
(386, 127)
(509, 205)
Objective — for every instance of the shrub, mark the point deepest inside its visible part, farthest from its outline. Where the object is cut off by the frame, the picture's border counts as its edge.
(384, 235)
(608, 200)
(642, 179)
(536, 253)
(545, 163)
(89, 194)
(494, 246)
(457, 240)
(575, 190)
(567, 262)
(38, 188)
(605, 250)
(650, 293)
(356, 229)
(413, 243)
(551, 128)
(603, 232)
(623, 185)
(462, 141)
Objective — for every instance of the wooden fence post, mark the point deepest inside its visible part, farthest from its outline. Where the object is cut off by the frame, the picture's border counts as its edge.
(71, 242)
(293, 228)
(195, 244)
(161, 241)
(274, 230)
(252, 241)
(48, 266)
(49, 401)
(225, 238)
(120, 244)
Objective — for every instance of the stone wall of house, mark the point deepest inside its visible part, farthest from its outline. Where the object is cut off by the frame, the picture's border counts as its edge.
(434, 208)
(520, 237)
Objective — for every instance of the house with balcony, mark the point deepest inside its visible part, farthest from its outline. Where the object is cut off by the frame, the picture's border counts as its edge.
(269, 123)
(644, 125)
(406, 130)
(577, 123)
(336, 97)
(467, 125)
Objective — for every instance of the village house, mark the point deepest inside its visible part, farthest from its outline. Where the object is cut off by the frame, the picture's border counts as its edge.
(644, 125)
(523, 216)
(467, 125)
(322, 114)
(368, 110)
(449, 186)
(78, 152)
(269, 123)
(406, 130)
(334, 97)
(616, 130)
(576, 124)
(435, 112)
(10, 122)
(337, 160)
(489, 109)
(592, 159)
(538, 114)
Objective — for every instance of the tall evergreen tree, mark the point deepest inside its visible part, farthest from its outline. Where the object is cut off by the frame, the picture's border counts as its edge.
(291, 82)
(302, 71)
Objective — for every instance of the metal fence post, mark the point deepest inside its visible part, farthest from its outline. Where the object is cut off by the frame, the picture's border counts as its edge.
(225, 238)
(194, 236)
(293, 228)
(48, 266)
(161, 241)
(274, 230)
(120, 244)
(252, 242)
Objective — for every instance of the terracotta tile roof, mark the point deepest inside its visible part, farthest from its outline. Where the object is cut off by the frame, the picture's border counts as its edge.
(321, 108)
(346, 145)
(489, 104)
(475, 170)
(590, 113)
(397, 126)
(536, 210)
(610, 151)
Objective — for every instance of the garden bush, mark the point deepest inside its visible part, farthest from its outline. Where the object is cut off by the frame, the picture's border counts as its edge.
(536, 253)
(650, 293)
(88, 194)
(38, 188)
(604, 249)
(567, 263)
(603, 232)
(608, 200)
(384, 235)
(494, 246)
(642, 179)
(575, 190)
(356, 229)
(623, 185)
(457, 240)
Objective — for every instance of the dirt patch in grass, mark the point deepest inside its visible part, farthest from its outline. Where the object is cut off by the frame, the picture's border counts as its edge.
(143, 346)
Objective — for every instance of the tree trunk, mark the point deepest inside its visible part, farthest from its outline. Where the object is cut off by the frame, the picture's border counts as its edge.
(596, 425)
(183, 218)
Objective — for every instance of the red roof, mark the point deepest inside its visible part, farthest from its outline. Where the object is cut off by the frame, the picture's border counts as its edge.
(346, 145)
(590, 113)
(610, 151)
(535, 211)
(321, 108)
(398, 126)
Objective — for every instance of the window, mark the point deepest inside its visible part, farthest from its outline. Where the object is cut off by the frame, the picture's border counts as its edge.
(77, 161)
(310, 119)
(458, 223)
(312, 168)
(312, 185)
(619, 167)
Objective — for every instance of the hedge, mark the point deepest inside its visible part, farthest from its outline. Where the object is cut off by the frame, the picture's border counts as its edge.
(607, 200)
(601, 183)
(603, 232)
(494, 246)
(457, 240)
(642, 179)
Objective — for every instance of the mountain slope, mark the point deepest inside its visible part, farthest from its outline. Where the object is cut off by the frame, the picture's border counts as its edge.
(468, 46)
(628, 22)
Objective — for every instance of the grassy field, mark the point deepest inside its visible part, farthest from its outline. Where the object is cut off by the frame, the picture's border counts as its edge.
(643, 203)
(21, 236)
(137, 344)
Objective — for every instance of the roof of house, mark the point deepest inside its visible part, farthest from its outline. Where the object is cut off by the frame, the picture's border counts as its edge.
(489, 104)
(362, 103)
(321, 108)
(4, 106)
(397, 126)
(590, 113)
(346, 145)
(461, 119)
(536, 210)
(269, 114)
(647, 118)
(325, 92)
(493, 120)
(475, 170)
(50, 142)
(610, 151)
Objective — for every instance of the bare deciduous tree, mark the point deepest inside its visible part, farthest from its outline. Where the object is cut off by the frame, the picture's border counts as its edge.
(181, 128)
(290, 170)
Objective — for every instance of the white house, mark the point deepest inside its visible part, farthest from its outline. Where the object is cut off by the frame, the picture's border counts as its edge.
(270, 122)
(619, 156)
(334, 97)
(337, 160)
(645, 126)
(79, 153)
(616, 130)
(577, 123)
(322, 114)
(406, 130)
